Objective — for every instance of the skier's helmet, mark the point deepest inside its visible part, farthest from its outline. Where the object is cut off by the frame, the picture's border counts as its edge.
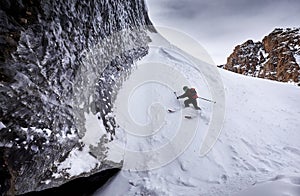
(185, 88)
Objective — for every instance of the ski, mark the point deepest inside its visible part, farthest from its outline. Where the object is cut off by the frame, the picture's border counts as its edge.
(172, 110)
(188, 117)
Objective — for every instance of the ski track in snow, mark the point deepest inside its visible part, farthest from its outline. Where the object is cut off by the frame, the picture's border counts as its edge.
(258, 152)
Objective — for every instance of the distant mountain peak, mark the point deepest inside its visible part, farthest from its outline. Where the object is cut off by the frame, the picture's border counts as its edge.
(276, 57)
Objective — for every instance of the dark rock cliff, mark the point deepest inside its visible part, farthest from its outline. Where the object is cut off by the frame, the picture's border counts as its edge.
(57, 59)
(277, 57)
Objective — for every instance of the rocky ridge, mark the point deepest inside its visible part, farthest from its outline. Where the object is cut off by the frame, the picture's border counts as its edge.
(276, 57)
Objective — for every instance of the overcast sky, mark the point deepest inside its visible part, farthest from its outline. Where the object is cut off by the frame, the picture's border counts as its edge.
(220, 25)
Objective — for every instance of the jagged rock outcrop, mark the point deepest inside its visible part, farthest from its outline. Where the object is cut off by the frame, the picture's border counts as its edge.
(61, 62)
(277, 57)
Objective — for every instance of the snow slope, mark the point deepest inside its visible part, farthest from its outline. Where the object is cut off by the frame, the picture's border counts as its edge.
(257, 152)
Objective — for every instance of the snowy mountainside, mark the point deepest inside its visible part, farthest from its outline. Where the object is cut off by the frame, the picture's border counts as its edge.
(257, 152)
(276, 57)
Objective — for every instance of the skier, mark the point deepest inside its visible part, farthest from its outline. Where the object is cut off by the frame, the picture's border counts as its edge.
(192, 97)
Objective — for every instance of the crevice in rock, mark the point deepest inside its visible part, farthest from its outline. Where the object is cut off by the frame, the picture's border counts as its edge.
(5, 179)
(81, 186)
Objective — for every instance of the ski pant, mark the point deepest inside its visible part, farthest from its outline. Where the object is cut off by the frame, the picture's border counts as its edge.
(191, 101)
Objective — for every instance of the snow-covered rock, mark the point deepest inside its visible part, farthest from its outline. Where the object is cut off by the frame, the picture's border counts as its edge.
(56, 121)
(275, 58)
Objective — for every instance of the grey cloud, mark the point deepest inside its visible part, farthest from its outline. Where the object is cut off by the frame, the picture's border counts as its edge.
(222, 24)
(220, 8)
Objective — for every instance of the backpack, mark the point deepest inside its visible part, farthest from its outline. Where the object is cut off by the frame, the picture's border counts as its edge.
(193, 93)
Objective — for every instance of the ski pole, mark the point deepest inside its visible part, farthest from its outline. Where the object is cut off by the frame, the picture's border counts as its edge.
(206, 99)
(175, 94)
(177, 99)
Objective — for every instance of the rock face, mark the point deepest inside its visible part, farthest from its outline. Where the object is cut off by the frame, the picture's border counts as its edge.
(60, 63)
(277, 57)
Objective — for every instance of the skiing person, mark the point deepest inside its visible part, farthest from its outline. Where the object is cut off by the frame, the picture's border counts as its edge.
(192, 97)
